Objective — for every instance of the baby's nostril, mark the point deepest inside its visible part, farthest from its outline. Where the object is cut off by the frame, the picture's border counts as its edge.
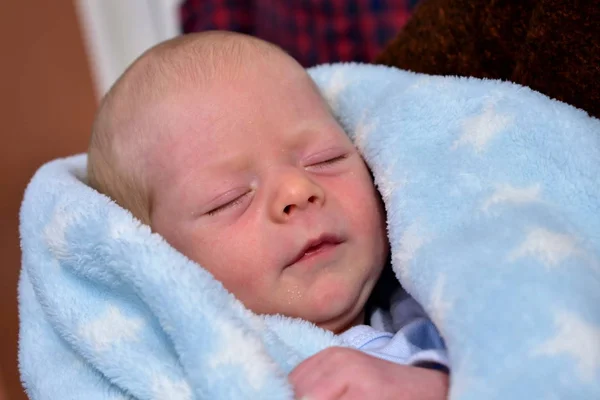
(287, 209)
(312, 199)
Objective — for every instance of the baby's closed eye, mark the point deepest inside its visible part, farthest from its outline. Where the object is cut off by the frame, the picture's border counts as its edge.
(229, 200)
(326, 159)
(329, 161)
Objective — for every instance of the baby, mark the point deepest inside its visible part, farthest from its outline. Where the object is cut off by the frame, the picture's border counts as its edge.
(222, 144)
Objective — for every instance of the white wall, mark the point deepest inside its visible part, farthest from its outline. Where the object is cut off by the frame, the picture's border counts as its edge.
(118, 31)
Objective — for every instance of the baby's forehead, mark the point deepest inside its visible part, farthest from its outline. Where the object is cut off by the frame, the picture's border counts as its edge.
(191, 102)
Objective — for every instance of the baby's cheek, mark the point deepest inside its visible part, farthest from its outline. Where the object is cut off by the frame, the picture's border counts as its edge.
(366, 215)
(336, 294)
(240, 265)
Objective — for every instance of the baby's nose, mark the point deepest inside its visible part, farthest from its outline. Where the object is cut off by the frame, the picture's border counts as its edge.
(296, 192)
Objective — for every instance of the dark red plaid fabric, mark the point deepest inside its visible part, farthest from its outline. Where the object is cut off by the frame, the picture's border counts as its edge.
(312, 31)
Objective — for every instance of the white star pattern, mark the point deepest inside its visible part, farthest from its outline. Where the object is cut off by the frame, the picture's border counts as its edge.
(362, 132)
(164, 388)
(120, 230)
(337, 83)
(242, 350)
(463, 366)
(479, 130)
(550, 248)
(410, 242)
(420, 83)
(439, 305)
(513, 195)
(388, 184)
(55, 231)
(388, 187)
(577, 339)
(112, 327)
(128, 229)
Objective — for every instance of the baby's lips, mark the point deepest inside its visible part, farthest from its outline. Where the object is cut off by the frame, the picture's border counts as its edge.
(312, 244)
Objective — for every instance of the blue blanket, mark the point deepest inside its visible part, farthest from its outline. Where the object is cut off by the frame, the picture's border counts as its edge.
(492, 194)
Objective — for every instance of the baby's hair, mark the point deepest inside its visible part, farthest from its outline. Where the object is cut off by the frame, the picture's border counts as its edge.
(120, 132)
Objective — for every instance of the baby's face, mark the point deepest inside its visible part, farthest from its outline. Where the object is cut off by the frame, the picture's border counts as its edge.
(259, 184)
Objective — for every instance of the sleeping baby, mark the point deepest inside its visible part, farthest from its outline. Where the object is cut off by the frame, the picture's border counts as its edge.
(223, 145)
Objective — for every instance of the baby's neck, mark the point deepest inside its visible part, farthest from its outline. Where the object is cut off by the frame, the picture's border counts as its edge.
(359, 320)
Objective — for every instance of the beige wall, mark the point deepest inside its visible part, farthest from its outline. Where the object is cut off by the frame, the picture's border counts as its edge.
(46, 108)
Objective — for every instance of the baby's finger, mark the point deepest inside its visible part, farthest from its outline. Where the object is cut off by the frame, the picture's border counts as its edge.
(308, 366)
(321, 385)
(304, 377)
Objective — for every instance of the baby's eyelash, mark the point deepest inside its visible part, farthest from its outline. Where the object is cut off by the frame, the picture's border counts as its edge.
(225, 206)
(331, 160)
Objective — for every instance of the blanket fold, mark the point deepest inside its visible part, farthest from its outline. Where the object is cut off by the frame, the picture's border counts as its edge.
(493, 211)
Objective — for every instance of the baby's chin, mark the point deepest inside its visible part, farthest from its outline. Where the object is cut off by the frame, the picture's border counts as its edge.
(338, 308)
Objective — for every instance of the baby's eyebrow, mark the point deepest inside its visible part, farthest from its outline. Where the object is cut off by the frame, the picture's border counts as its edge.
(205, 183)
(215, 163)
(308, 128)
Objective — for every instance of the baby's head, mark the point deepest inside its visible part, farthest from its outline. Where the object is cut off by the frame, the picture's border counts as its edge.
(223, 145)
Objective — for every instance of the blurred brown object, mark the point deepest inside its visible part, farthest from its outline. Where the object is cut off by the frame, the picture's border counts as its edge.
(47, 105)
(552, 46)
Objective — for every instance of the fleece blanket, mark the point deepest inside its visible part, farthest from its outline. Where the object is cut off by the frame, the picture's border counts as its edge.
(492, 199)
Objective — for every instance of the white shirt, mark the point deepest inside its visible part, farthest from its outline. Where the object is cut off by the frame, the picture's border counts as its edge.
(403, 334)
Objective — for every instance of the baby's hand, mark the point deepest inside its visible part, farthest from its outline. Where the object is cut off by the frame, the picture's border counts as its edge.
(343, 373)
